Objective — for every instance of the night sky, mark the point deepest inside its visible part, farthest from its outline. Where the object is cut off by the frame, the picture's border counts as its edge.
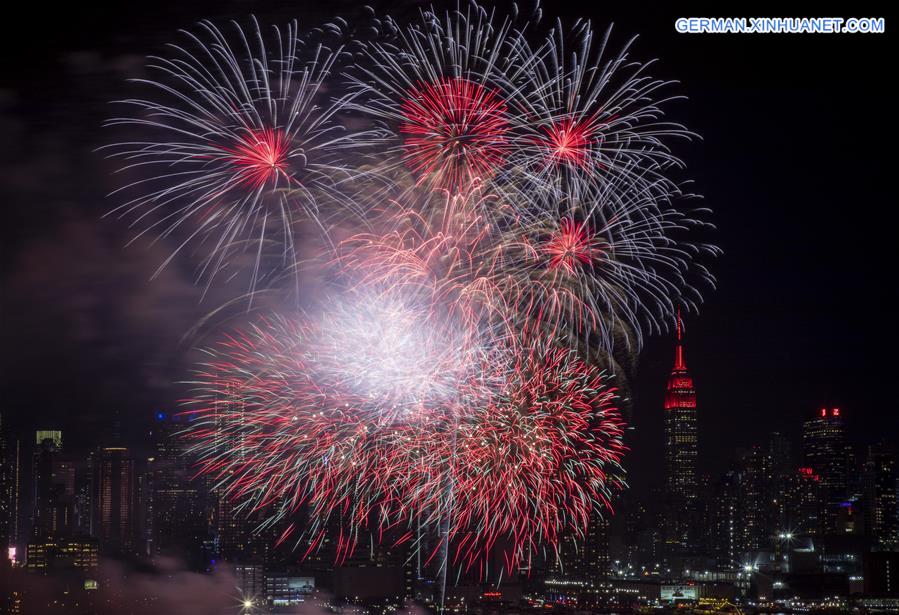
(798, 135)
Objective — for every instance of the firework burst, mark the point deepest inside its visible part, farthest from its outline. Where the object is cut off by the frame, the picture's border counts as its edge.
(601, 263)
(589, 114)
(328, 412)
(537, 458)
(571, 247)
(455, 132)
(516, 443)
(238, 146)
(441, 252)
(439, 88)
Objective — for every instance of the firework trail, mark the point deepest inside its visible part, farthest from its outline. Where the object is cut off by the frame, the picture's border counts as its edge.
(596, 265)
(536, 458)
(441, 251)
(328, 410)
(516, 443)
(239, 146)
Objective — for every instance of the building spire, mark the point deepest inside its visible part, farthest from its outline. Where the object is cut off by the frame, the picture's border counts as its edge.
(679, 363)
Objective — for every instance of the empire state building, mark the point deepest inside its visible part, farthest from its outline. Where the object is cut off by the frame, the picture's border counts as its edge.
(680, 428)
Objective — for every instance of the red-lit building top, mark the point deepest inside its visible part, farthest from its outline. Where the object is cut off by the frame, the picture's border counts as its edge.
(680, 392)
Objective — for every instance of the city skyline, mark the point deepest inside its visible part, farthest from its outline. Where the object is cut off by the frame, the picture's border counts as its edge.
(823, 491)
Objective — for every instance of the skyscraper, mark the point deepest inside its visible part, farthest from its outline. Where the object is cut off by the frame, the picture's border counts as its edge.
(680, 427)
(680, 448)
(116, 499)
(53, 488)
(178, 520)
(8, 470)
(15, 493)
(725, 534)
(596, 548)
(802, 503)
(758, 500)
(824, 451)
(880, 496)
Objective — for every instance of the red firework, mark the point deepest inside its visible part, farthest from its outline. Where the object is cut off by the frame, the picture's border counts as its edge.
(259, 157)
(445, 261)
(456, 131)
(568, 141)
(571, 246)
(536, 459)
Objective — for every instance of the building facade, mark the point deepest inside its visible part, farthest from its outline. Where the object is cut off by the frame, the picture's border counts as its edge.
(824, 451)
(116, 500)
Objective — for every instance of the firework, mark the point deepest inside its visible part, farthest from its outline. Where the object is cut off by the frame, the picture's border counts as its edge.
(514, 443)
(522, 217)
(238, 144)
(601, 263)
(440, 252)
(598, 264)
(454, 132)
(467, 95)
(537, 459)
(589, 114)
(439, 88)
(327, 411)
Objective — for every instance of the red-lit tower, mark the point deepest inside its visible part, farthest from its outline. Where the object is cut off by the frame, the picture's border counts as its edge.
(680, 428)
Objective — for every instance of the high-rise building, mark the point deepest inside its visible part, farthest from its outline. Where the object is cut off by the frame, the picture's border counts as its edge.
(7, 481)
(53, 488)
(582, 557)
(85, 500)
(640, 530)
(234, 524)
(680, 449)
(596, 548)
(780, 455)
(116, 499)
(233, 529)
(824, 451)
(251, 583)
(144, 509)
(880, 495)
(14, 457)
(177, 517)
(758, 501)
(726, 535)
(803, 508)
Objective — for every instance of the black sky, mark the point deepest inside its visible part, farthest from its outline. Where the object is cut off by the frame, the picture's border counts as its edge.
(797, 161)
